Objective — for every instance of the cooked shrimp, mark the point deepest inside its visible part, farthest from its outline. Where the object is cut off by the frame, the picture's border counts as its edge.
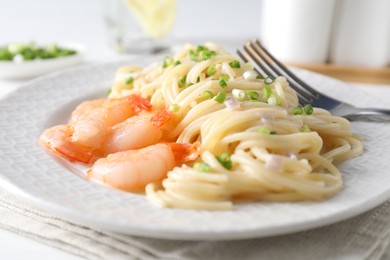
(111, 111)
(136, 132)
(132, 170)
(58, 139)
(82, 139)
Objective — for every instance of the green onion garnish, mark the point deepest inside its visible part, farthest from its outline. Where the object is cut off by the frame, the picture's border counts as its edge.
(308, 109)
(305, 128)
(268, 80)
(259, 77)
(182, 81)
(253, 95)
(168, 61)
(207, 94)
(109, 91)
(202, 167)
(222, 81)
(205, 55)
(239, 94)
(273, 133)
(177, 62)
(192, 55)
(190, 84)
(174, 108)
(220, 97)
(31, 51)
(267, 91)
(225, 160)
(198, 80)
(130, 81)
(264, 130)
(211, 70)
(274, 99)
(297, 111)
(201, 48)
(235, 64)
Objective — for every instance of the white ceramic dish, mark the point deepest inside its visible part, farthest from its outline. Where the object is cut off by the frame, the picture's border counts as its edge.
(54, 188)
(38, 67)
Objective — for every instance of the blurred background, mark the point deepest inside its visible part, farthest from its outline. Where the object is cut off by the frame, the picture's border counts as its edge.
(347, 39)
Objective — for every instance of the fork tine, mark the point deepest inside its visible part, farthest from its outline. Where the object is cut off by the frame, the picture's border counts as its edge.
(304, 96)
(288, 72)
(244, 57)
(254, 57)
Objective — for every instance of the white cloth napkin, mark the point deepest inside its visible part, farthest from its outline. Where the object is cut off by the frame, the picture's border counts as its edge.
(364, 237)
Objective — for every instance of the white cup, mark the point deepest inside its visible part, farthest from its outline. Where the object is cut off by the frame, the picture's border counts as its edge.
(297, 31)
(362, 33)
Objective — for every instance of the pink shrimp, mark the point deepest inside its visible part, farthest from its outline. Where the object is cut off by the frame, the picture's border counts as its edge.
(58, 140)
(132, 170)
(136, 132)
(90, 122)
(112, 111)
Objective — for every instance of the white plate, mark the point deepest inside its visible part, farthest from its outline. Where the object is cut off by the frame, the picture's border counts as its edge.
(44, 182)
(37, 67)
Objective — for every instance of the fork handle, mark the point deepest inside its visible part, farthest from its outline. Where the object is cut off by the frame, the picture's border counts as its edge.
(369, 114)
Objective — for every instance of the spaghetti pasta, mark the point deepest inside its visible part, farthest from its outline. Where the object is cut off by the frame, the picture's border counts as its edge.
(275, 150)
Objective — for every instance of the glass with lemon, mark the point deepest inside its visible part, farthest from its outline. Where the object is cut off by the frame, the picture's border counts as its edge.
(140, 26)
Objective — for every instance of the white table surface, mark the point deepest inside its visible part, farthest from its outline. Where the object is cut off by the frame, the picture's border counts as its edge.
(81, 21)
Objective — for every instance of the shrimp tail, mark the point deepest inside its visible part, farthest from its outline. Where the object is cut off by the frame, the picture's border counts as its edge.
(55, 139)
(184, 152)
(161, 117)
(138, 103)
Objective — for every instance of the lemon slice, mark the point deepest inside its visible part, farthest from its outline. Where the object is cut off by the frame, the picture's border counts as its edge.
(156, 17)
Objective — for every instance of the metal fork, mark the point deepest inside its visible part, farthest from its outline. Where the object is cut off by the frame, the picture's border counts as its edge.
(268, 65)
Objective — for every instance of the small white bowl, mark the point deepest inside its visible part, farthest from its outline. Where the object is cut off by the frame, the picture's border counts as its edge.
(37, 67)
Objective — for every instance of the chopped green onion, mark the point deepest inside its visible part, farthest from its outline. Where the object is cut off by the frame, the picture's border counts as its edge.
(220, 97)
(192, 55)
(190, 84)
(109, 91)
(202, 167)
(201, 51)
(274, 99)
(225, 77)
(211, 70)
(130, 81)
(308, 109)
(305, 128)
(225, 160)
(235, 64)
(207, 94)
(297, 111)
(264, 130)
(177, 62)
(259, 77)
(273, 133)
(174, 108)
(182, 81)
(198, 80)
(239, 94)
(168, 61)
(205, 55)
(268, 80)
(267, 91)
(253, 95)
(201, 48)
(26, 52)
(222, 81)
